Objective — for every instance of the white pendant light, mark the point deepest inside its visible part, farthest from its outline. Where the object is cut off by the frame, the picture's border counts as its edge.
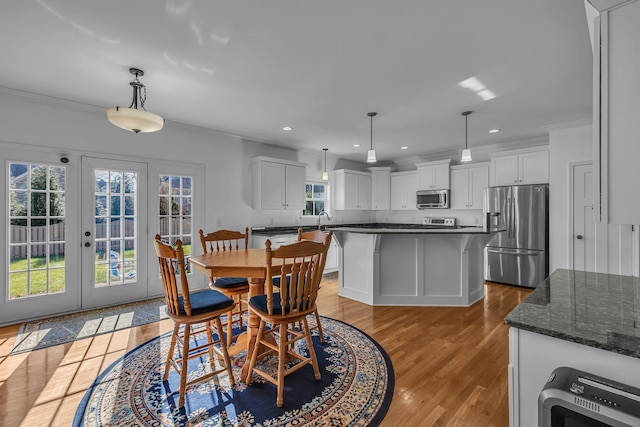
(134, 119)
(466, 153)
(325, 175)
(371, 154)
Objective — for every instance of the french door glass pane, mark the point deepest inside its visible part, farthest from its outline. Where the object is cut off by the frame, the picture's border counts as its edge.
(36, 215)
(115, 221)
(175, 212)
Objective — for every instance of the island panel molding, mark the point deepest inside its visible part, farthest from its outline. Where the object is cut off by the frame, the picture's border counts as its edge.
(413, 267)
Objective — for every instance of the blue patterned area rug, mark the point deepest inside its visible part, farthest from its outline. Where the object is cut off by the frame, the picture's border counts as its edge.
(355, 389)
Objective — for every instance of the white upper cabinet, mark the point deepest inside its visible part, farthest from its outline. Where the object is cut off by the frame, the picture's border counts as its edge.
(381, 192)
(433, 175)
(353, 190)
(403, 190)
(467, 185)
(616, 112)
(519, 168)
(278, 184)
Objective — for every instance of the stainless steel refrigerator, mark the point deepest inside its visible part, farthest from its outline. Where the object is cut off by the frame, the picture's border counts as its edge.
(518, 255)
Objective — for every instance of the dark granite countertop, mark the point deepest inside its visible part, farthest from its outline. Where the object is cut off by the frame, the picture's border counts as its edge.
(407, 229)
(594, 309)
(274, 231)
(369, 228)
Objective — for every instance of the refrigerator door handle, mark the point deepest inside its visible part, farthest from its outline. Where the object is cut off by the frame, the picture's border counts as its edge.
(513, 218)
(509, 222)
(516, 252)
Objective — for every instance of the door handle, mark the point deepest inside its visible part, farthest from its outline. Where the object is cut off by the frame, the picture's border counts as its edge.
(579, 237)
(87, 244)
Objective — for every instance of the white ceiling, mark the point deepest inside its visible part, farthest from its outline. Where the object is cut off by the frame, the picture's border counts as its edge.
(249, 68)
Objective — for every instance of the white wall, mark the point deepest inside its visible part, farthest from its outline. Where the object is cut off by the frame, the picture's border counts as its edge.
(74, 130)
(616, 248)
(566, 145)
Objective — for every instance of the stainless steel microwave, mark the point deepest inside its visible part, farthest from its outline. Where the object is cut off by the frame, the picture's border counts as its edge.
(432, 199)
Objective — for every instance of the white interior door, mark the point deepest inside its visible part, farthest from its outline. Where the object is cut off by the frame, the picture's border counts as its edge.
(114, 232)
(598, 247)
(40, 260)
(583, 233)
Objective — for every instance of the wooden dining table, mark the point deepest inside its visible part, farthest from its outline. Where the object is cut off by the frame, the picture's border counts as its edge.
(249, 263)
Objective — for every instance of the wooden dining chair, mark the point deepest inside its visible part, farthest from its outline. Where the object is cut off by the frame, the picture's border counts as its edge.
(321, 237)
(236, 288)
(281, 311)
(189, 310)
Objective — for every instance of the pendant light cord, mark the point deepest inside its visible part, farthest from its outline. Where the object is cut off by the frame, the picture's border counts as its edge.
(371, 115)
(371, 133)
(466, 128)
(466, 131)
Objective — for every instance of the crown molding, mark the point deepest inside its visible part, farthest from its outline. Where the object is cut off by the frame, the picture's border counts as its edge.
(569, 125)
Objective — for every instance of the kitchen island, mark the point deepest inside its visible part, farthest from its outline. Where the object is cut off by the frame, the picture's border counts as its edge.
(582, 320)
(395, 264)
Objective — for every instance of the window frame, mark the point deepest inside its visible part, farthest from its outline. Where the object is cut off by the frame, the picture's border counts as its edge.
(312, 199)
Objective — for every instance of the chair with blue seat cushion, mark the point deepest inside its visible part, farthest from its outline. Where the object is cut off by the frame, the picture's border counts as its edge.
(188, 310)
(299, 265)
(236, 288)
(322, 237)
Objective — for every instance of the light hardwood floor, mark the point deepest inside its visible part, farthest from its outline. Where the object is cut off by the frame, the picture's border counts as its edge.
(450, 363)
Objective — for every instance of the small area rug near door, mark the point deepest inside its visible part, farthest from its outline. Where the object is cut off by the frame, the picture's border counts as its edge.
(63, 329)
(355, 389)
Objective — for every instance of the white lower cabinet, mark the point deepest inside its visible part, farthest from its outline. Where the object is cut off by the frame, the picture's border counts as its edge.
(276, 241)
(332, 258)
(284, 239)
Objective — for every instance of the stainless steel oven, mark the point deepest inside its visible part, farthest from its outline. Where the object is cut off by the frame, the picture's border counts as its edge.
(432, 199)
(573, 398)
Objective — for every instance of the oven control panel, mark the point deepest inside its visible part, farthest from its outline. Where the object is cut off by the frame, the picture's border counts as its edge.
(444, 222)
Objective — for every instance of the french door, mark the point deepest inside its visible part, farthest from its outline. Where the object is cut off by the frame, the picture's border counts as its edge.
(39, 264)
(114, 232)
(78, 230)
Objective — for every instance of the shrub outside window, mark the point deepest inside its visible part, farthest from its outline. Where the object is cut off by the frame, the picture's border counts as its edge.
(316, 199)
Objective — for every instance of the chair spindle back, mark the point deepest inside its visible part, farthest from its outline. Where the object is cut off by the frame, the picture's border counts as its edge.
(223, 240)
(170, 259)
(302, 263)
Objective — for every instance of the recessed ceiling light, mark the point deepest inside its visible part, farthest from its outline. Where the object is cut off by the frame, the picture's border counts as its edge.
(404, 147)
(494, 131)
(356, 145)
(486, 95)
(287, 128)
(478, 87)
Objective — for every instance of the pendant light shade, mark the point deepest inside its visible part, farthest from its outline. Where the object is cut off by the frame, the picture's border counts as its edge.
(325, 175)
(466, 153)
(134, 119)
(371, 154)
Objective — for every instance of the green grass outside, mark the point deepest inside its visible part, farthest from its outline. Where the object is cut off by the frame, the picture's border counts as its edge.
(18, 276)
